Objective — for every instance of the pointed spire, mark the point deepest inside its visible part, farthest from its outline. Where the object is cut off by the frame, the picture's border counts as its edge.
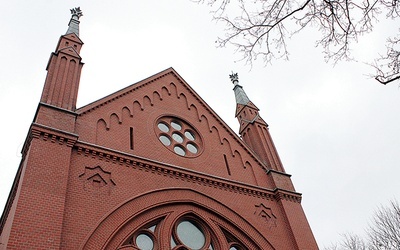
(253, 129)
(240, 95)
(73, 26)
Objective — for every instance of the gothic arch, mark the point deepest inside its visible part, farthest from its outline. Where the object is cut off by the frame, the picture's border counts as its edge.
(236, 153)
(193, 108)
(126, 114)
(147, 102)
(101, 128)
(168, 206)
(226, 142)
(165, 91)
(221, 141)
(184, 99)
(207, 124)
(174, 89)
(157, 96)
(137, 106)
(114, 119)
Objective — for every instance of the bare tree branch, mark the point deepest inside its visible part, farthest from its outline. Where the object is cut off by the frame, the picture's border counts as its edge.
(384, 232)
(388, 67)
(262, 27)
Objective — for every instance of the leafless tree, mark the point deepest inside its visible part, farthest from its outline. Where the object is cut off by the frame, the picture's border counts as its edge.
(349, 242)
(260, 28)
(383, 233)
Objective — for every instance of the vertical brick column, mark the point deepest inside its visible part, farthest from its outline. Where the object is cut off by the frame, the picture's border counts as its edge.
(297, 222)
(38, 217)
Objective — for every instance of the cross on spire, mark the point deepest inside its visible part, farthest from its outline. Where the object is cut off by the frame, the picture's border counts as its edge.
(76, 12)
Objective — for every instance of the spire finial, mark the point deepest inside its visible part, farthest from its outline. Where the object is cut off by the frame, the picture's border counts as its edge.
(77, 12)
(73, 26)
(234, 78)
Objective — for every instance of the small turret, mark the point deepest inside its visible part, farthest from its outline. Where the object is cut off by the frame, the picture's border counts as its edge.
(253, 129)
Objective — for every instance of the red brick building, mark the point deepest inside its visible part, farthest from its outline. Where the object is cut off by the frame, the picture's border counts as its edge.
(151, 166)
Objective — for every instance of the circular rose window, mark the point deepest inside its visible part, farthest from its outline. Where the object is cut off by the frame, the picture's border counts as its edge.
(178, 136)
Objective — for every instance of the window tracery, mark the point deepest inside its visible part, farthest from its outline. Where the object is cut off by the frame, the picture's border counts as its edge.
(188, 232)
(178, 136)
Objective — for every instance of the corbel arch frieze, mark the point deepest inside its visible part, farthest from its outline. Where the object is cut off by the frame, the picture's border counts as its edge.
(165, 91)
(228, 144)
(126, 113)
(137, 106)
(183, 97)
(194, 109)
(214, 130)
(114, 118)
(157, 96)
(174, 89)
(147, 101)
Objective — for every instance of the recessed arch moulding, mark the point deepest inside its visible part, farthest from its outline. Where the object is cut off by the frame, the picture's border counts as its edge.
(169, 204)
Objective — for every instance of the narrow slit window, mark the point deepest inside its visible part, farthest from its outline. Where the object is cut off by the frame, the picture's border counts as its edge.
(131, 138)
(227, 165)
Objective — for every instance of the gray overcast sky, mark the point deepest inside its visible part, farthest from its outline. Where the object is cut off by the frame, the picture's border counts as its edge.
(336, 130)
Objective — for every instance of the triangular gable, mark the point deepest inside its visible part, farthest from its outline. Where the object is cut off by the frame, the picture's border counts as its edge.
(240, 107)
(69, 51)
(130, 121)
(72, 37)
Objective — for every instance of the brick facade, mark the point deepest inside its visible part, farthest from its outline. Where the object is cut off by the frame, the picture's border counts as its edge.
(131, 167)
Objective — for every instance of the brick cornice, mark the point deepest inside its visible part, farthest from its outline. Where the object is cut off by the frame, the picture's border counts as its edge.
(39, 131)
(281, 194)
(53, 135)
(278, 172)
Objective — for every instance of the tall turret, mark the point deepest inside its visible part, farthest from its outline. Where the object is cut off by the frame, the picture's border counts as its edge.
(38, 195)
(64, 68)
(254, 132)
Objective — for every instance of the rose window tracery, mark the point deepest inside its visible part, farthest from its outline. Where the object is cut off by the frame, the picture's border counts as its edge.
(178, 136)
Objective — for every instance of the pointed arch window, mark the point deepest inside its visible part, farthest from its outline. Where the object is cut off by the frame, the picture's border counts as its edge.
(186, 232)
(159, 220)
